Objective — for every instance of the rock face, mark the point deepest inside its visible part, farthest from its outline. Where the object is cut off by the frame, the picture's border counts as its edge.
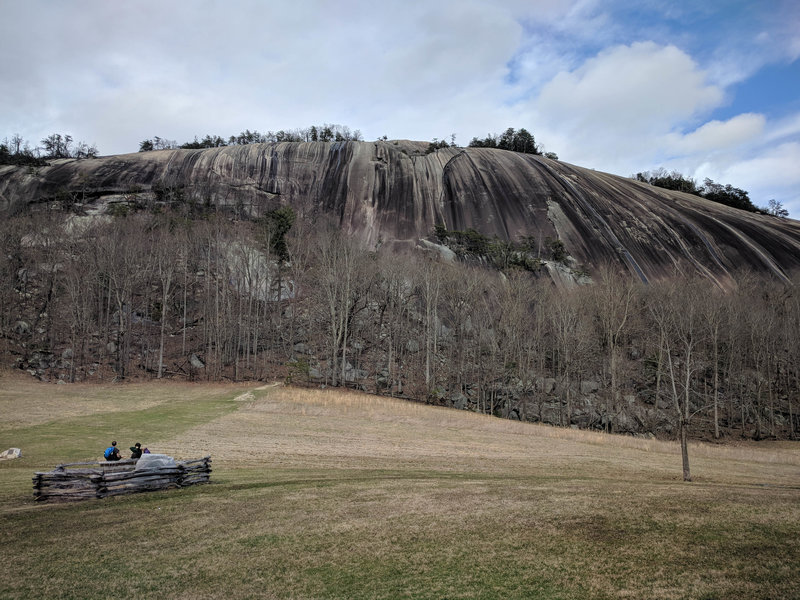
(393, 193)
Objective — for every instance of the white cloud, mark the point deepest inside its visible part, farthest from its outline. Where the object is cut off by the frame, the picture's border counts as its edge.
(637, 88)
(777, 165)
(610, 112)
(766, 173)
(784, 128)
(718, 135)
(255, 65)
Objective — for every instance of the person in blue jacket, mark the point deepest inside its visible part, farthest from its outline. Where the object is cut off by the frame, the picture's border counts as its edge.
(112, 452)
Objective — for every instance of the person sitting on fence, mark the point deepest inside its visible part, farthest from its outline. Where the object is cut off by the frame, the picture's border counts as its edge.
(112, 452)
(136, 450)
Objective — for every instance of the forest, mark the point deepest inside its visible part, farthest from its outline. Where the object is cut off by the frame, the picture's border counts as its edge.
(154, 294)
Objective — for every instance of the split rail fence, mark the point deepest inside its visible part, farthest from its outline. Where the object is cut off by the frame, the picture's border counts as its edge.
(78, 481)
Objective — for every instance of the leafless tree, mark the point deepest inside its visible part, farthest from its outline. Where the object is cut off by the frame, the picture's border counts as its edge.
(614, 305)
(393, 303)
(572, 342)
(119, 256)
(164, 252)
(516, 303)
(78, 281)
(714, 307)
(677, 315)
(344, 275)
(12, 273)
(430, 285)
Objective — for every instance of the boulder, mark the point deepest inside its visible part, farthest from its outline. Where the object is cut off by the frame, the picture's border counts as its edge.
(550, 413)
(546, 385)
(11, 453)
(352, 375)
(445, 253)
(41, 359)
(625, 423)
(582, 420)
(459, 401)
(195, 361)
(154, 461)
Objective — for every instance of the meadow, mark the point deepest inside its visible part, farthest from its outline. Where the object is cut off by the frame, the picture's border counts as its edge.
(337, 494)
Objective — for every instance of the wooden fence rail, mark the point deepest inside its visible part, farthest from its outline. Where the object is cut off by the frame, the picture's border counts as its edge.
(78, 481)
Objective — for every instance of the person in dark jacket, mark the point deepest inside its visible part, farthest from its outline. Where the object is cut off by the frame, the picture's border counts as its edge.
(136, 450)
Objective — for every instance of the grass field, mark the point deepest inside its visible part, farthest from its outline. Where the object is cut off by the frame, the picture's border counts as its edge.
(332, 494)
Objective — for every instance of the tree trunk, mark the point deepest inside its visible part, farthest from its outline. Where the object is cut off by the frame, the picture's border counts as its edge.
(716, 388)
(161, 342)
(684, 435)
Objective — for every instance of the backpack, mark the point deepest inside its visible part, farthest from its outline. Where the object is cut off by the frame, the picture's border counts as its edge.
(109, 451)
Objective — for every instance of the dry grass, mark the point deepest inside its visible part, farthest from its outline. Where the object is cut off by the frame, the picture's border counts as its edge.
(289, 426)
(331, 494)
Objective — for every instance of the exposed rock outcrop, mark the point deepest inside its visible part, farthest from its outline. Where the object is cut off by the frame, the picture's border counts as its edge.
(394, 193)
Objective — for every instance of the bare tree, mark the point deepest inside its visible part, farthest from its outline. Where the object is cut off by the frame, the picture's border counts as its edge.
(676, 313)
(164, 252)
(515, 305)
(393, 301)
(714, 308)
(461, 296)
(77, 282)
(345, 273)
(571, 344)
(431, 273)
(614, 306)
(120, 259)
(12, 274)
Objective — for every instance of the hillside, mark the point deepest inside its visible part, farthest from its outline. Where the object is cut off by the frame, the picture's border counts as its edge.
(394, 193)
(295, 261)
(336, 494)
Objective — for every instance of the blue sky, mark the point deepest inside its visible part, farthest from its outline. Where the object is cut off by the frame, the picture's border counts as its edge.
(711, 89)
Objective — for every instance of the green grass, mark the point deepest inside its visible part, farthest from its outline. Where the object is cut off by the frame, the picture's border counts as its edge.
(302, 512)
(75, 439)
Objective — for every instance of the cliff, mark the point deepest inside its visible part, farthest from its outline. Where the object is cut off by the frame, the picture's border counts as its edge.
(391, 192)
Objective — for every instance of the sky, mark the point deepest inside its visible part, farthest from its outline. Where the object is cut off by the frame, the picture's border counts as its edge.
(709, 89)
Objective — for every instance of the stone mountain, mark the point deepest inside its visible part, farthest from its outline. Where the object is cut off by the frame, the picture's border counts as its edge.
(393, 192)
